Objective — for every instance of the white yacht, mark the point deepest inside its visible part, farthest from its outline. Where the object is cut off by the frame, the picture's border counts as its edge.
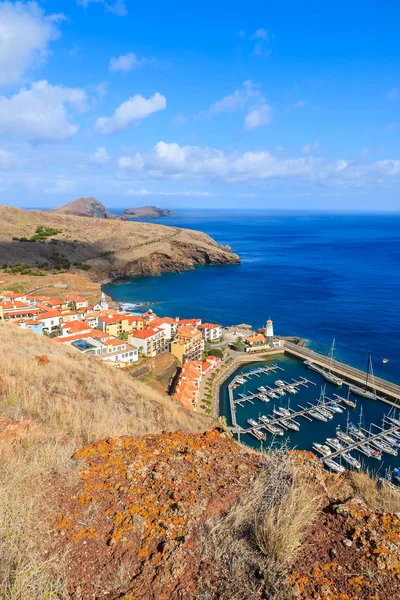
(333, 465)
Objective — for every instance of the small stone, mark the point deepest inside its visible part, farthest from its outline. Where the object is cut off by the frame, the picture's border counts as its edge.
(332, 552)
(348, 543)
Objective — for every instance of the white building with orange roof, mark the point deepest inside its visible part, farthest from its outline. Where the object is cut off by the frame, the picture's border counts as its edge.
(74, 328)
(51, 320)
(150, 341)
(189, 323)
(77, 302)
(212, 332)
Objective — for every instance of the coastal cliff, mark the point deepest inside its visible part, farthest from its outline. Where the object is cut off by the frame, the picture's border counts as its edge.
(104, 249)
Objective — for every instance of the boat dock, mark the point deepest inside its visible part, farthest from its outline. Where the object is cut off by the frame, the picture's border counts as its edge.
(387, 391)
(304, 412)
(368, 438)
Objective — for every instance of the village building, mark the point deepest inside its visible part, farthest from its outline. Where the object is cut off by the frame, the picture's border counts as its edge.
(77, 302)
(149, 342)
(188, 344)
(102, 305)
(211, 332)
(50, 320)
(188, 387)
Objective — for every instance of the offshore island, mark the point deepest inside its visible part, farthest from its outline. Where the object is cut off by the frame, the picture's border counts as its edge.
(80, 376)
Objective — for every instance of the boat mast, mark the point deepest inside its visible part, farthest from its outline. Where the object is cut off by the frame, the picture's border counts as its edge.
(330, 355)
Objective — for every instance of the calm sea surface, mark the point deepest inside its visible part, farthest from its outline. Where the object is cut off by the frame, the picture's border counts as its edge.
(317, 276)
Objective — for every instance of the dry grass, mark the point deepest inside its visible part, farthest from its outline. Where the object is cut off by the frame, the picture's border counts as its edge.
(79, 396)
(253, 545)
(65, 400)
(382, 498)
(27, 570)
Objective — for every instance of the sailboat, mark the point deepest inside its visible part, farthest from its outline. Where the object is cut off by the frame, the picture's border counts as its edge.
(347, 400)
(327, 374)
(365, 391)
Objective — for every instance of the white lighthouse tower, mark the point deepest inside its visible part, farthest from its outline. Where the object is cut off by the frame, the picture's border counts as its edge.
(269, 331)
(103, 302)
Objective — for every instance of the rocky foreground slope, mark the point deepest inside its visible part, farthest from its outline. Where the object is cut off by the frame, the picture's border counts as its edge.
(109, 249)
(111, 490)
(181, 516)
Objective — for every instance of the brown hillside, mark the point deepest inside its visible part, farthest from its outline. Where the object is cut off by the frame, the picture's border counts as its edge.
(85, 207)
(112, 248)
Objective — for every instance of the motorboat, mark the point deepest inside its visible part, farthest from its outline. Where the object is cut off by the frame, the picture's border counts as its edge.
(290, 424)
(259, 435)
(252, 422)
(291, 389)
(262, 389)
(263, 419)
(274, 429)
(280, 391)
(264, 397)
(333, 465)
(353, 462)
(322, 449)
(280, 383)
(394, 421)
(335, 444)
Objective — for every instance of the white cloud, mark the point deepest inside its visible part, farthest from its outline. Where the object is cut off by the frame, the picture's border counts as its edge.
(7, 160)
(249, 93)
(309, 148)
(100, 156)
(260, 34)
(171, 161)
(25, 32)
(393, 93)
(39, 113)
(60, 185)
(180, 119)
(257, 117)
(300, 104)
(127, 62)
(190, 193)
(134, 109)
(118, 7)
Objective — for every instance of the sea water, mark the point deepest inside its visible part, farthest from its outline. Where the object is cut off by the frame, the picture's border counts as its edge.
(318, 276)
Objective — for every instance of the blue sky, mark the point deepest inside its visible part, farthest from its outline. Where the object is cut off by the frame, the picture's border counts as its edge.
(211, 104)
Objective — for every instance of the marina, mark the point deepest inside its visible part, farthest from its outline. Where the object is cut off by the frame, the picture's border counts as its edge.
(317, 417)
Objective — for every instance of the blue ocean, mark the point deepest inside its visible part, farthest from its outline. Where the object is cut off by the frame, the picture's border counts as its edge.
(318, 276)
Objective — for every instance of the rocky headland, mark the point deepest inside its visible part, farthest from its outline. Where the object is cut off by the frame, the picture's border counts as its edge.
(103, 249)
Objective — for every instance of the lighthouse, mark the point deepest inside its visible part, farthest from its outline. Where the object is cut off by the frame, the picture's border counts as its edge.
(103, 302)
(269, 331)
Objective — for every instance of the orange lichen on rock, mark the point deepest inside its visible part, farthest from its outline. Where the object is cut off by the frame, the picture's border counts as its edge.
(139, 503)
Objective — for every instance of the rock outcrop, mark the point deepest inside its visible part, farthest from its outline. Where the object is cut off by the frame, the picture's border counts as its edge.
(85, 207)
(139, 525)
(146, 212)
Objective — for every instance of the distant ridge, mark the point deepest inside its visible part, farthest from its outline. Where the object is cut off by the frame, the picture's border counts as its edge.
(85, 207)
(146, 212)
